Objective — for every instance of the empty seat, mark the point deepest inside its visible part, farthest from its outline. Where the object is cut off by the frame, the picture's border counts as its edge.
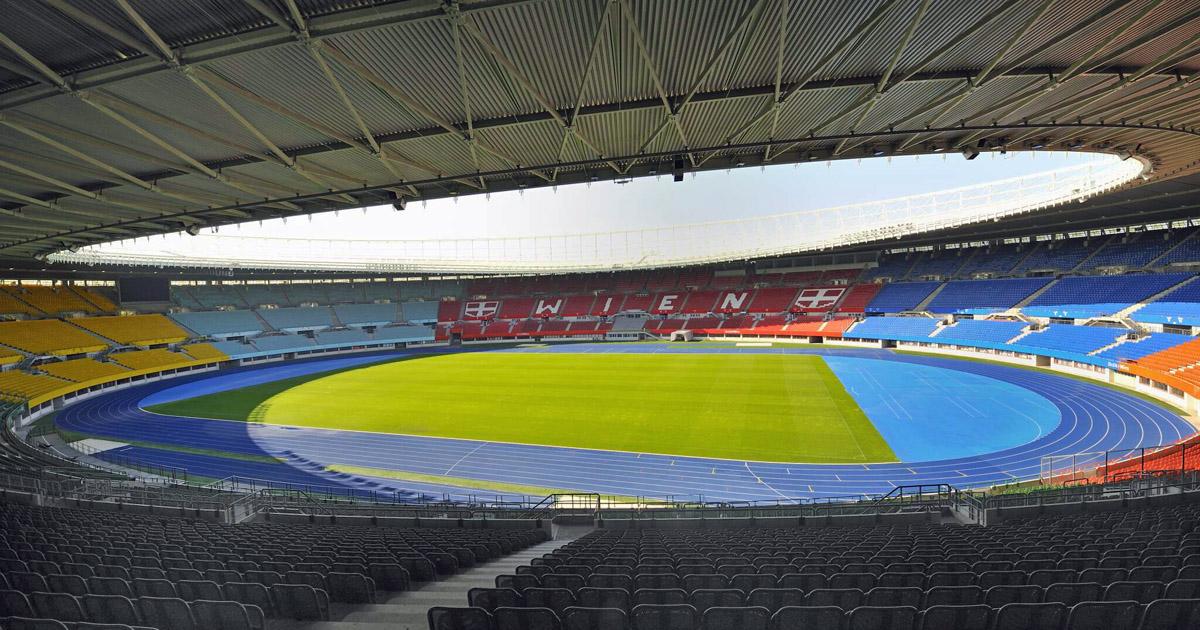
(25, 623)
(350, 588)
(882, 618)
(62, 583)
(599, 580)
(844, 598)
(775, 598)
(389, 576)
(154, 588)
(1141, 592)
(589, 597)
(301, 602)
(15, 604)
(1071, 594)
(192, 590)
(60, 606)
(109, 586)
(505, 618)
(886, 596)
(999, 596)
(1170, 614)
(227, 615)
(663, 617)
(735, 618)
(556, 599)
(569, 581)
(969, 617)
(659, 596)
(823, 617)
(111, 609)
(696, 581)
(27, 582)
(166, 612)
(490, 599)
(1026, 616)
(952, 596)
(249, 593)
(1183, 589)
(446, 618)
(1104, 616)
(581, 618)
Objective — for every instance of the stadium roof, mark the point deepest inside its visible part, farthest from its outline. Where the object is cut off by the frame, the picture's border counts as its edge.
(128, 117)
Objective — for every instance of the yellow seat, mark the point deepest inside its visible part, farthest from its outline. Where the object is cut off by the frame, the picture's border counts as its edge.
(143, 330)
(204, 351)
(158, 358)
(48, 336)
(19, 385)
(82, 370)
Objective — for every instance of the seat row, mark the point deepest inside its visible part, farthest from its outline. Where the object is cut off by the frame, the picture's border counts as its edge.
(1165, 614)
(773, 598)
(863, 581)
(154, 612)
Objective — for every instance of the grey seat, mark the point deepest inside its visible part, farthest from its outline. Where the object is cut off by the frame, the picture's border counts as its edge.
(490, 599)
(531, 618)
(555, 599)
(109, 586)
(27, 623)
(351, 588)
(663, 617)
(746, 582)
(192, 590)
(1183, 589)
(300, 602)
(952, 596)
(590, 597)
(111, 609)
(60, 606)
(882, 618)
(705, 598)
(27, 582)
(659, 596)
(1141, 592)
(1023, 616)
(587, 618)
(66, 583)
(968, 617)
(735, 618)
(154, 588)
(775, 598)
(1092, 615)
(447, 618)
(1169, 614)
(887, 596)
(823, 617)
(844, 598)
(250, 593)
(999, 596)
(389, 576)
(1071, 594)
(14, 603)
(227, 615)
(166, 612)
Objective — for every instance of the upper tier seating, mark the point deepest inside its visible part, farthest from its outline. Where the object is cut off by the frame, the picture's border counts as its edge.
(346, 292)
(297, 318)
(941, 264)
(308, 293)
(577, 306)
(982, 296)
(894, 268)
(54, 300)
(515, 308)
(158, 358)
(233, 349)
(419, 311)
(216, 295)
(898, 328)
(48, 336)
(1070, 342)
(1120, 570)
(8, 356)
(134, 329)
(1188, 251)
(82, 370)
(998, 261)
(773, 300)
(699, 302)
(21, 385)
(1134, 253)
(979, 333)
(1180, 307)
(1062, 255)
(375, 314)
(10, 305)
(220, 323)
(259, 294)
(902, 296)
(1080, 297)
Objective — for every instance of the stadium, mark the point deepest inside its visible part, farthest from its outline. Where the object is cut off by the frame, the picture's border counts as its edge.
(706, 388)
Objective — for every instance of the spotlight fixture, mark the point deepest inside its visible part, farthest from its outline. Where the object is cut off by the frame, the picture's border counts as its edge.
(399, 204)
(876, 152)
(970, 154)
(677, 169)
(193, 230)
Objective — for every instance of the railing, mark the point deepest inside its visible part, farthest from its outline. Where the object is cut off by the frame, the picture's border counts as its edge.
(173, 473)
(1108, 466)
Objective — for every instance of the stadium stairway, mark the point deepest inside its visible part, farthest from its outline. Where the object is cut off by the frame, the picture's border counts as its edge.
(267, 327)
(1033, 296)
(407, 610)
(1133, 308)
(929, 298)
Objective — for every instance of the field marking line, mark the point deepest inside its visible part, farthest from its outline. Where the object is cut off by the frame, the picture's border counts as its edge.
(460, 459)
(760, 480)
(845, 424)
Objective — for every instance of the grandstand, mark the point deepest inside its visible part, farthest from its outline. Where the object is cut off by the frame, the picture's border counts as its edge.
(82, 370)
(141, 330)
(149, 359)
(49, 336)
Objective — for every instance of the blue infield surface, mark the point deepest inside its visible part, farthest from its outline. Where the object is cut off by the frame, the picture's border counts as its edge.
(965, 423)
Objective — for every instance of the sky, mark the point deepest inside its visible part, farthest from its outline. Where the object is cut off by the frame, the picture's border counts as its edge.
(657, 202)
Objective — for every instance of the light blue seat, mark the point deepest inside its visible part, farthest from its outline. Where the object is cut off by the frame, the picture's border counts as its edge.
(220, 323)
(900, 296)
(894, 328)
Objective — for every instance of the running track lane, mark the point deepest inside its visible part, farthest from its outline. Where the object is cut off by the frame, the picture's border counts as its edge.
(1094, 418)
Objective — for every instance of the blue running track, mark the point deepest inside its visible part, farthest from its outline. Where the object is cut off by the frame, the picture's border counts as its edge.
(1047, 414)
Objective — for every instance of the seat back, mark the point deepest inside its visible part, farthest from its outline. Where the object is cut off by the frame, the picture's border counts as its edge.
(533, 618)
(448, 618)
(1021, 616)
(581, 618)
(663, 617)
(1168, 614)
(226, 615)
(166, 612)
(735, 618)
(1092, 615)
(968, 617)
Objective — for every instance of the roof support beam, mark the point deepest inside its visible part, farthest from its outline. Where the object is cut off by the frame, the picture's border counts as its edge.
(583, 80)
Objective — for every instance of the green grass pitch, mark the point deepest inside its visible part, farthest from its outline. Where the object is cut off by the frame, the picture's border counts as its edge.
(760, 407)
